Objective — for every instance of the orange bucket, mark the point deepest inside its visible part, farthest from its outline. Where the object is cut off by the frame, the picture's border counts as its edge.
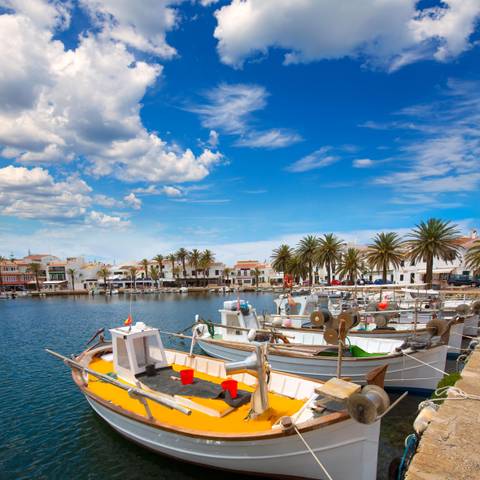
(186, 376)
(231, 386)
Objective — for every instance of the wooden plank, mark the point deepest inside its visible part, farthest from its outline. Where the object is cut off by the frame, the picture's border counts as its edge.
(338, 389)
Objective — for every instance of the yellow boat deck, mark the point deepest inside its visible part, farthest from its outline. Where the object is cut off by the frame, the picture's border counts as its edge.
(234, 422)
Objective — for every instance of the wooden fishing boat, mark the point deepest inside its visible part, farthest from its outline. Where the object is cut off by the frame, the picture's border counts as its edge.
(132, 383)
(400, 327)
(418, 364)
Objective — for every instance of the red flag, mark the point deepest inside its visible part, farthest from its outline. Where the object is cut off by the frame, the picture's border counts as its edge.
(128, 321)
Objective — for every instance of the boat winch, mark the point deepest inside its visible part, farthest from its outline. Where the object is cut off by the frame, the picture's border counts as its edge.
(256, 364)
(368, 405)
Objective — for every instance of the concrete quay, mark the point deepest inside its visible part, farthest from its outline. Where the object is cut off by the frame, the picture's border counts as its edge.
(450, 447)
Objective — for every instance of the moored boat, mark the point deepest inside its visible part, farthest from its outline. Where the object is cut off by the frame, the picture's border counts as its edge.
(137, 386)
(417, 364)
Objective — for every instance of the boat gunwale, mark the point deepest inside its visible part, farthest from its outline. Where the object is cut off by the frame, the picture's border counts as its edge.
(314, 424)
(286, 353)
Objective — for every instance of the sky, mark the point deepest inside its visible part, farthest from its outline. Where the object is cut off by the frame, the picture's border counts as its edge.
(129, 129)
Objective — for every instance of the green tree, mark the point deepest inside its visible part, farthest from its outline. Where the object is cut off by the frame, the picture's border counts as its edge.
(297, 268)
(144, 263)
(71, 272)
(194, 260)
(172, 259)
(154, 274)
(207, 259)
(35, 269)
(281, 256)
(226, 273)
(306, 250)
(329, 253)
(133, 276)
(472, 257)
(159, 259)
(104, 273)
(433, 239)
(256, 274)
(386, 250)
(182, 255)
(351, 265)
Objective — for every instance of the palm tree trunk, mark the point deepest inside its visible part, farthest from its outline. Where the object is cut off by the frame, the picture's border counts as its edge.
(310, 273)
(384, 273)
(329, 272)
(429, 271)
(37, 282)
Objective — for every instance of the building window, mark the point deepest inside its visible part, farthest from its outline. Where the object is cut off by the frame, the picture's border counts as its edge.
(391, 277)
(401, 277)
(412, 263)
(412, 278)
(217, 273)
(402, 263)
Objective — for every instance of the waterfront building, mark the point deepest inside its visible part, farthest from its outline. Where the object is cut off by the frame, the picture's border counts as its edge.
(244, 273)
(14, 275)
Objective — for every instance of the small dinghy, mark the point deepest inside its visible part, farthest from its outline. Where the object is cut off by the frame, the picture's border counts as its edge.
(239, 416)
(415, 364)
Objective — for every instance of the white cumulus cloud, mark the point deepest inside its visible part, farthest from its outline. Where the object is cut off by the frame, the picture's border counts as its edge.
(387, 33)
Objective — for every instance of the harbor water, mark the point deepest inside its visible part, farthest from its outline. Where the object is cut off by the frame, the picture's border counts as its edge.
(49, 431)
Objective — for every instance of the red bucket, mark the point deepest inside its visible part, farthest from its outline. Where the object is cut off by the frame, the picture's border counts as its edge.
(231, 386)
(186, 376)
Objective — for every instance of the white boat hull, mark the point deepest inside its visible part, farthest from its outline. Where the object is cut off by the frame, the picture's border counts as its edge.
(347, 449)
(454, 338)
(403, 372)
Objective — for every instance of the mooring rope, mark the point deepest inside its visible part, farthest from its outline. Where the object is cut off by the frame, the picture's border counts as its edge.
(466, 336)
(313, 453)
(424, 363)
(459, 394)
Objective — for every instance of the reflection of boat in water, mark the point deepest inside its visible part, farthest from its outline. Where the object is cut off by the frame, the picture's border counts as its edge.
(133, 384)
(416, 365)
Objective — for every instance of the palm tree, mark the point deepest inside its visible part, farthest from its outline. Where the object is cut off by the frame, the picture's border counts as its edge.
(306, 250)
(159, 259)
(297, 268)
(35, 268)
(71, 272)
(207, 259)
(103, 273)
(182, 255)
(133, 276)
(2, 261)
(256, 273)
(351, 265)
(144, 263)
(194, 259)
(226, 273)
(172, 259)
(281, 256)
(472, 258)
(385, 250)
(432, 239)
(154, 274)
(329, 253)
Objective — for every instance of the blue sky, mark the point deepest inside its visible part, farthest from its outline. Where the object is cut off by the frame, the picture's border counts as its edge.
(127, 131)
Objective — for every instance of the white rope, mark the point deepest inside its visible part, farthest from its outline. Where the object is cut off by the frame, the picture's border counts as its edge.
(427, 364)
(457, 392)
(313, 453)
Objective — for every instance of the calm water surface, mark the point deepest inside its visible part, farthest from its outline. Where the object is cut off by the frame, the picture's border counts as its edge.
(49, 432)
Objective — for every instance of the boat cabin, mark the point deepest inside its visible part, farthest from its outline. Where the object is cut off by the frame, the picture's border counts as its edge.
(238, 315)
(135, 349)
